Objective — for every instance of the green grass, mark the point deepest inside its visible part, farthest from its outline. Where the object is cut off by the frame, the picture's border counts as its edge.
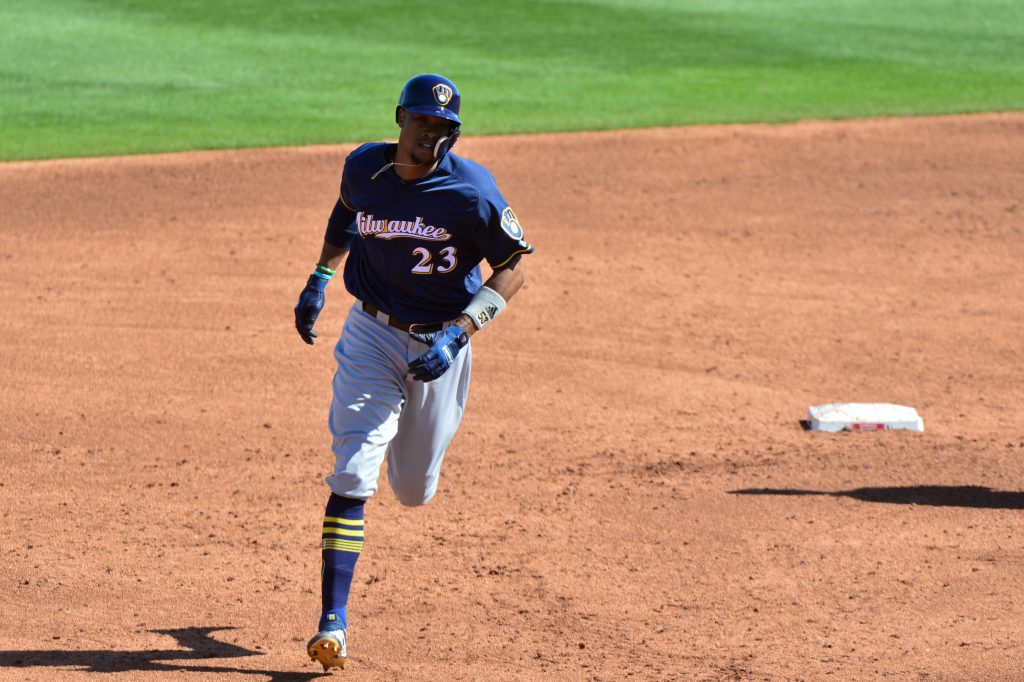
(92, 77)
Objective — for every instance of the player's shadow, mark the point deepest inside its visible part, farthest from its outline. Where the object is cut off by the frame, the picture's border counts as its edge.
(196, 643)
(931, 495)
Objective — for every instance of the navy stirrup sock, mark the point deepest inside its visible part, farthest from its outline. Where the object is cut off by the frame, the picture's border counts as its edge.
(342, 542)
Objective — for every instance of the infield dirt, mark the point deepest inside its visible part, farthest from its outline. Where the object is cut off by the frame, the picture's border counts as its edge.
(631, 494)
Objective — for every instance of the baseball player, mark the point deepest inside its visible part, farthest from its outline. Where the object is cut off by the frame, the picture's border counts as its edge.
(412, 224)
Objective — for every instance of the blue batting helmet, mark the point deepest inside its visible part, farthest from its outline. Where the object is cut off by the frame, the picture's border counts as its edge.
(433, 95)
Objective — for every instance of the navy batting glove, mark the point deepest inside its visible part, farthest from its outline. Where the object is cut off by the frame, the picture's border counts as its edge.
(444, 348)
(311, 302)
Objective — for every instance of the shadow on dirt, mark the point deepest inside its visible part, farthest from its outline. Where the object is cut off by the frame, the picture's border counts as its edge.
(196, 642)
(930, 495)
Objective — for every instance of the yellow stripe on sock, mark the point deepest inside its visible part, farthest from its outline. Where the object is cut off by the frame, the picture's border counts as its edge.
(343, 545)
(344, 522)
(343, 531)
(336, 541)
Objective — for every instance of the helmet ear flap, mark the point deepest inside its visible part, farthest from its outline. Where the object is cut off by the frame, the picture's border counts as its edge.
(446, 143)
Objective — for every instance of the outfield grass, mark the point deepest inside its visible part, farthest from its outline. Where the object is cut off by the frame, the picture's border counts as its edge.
(93, 77)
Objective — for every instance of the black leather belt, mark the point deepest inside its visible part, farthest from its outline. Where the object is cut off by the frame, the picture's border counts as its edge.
(414, 327)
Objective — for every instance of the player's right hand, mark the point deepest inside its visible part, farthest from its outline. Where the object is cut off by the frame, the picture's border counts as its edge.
(311, 302)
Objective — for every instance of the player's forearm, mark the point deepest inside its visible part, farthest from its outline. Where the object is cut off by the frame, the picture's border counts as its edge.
(332, 256)
(506, 283)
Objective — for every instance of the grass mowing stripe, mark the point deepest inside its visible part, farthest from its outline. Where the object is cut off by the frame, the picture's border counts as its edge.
(82, 77)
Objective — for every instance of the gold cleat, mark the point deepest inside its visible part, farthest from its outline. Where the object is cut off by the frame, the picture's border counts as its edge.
(328, 647)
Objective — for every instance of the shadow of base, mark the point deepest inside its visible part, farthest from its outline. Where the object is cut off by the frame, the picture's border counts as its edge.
(196, 642)
(931, 495)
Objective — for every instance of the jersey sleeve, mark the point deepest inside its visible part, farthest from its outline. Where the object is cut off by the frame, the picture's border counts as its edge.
(341, 226)
(500, 236)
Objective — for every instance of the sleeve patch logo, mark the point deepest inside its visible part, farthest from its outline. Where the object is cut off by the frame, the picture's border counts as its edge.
(510, 224)
(443, 94)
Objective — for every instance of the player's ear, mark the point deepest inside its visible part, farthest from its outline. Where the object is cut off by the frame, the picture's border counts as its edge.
(399, 116)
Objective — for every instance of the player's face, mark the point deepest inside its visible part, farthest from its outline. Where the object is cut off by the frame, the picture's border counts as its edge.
(420, 132)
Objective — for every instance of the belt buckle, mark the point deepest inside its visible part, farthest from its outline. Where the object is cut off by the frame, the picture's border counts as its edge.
(416, 325)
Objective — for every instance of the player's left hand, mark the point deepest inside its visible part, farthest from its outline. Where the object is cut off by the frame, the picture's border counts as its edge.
(444, 348)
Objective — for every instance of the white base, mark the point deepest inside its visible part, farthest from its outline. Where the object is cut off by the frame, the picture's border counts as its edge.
(863, 417)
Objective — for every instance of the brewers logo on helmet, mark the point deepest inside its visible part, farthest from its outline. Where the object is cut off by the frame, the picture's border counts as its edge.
(443, 94)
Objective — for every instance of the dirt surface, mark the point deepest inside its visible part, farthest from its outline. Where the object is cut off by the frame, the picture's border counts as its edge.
(631, 494)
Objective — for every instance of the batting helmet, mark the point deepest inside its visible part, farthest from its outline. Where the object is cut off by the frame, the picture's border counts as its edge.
(433, 95)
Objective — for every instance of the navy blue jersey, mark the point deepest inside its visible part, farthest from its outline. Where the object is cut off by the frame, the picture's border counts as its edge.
(416, 246)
